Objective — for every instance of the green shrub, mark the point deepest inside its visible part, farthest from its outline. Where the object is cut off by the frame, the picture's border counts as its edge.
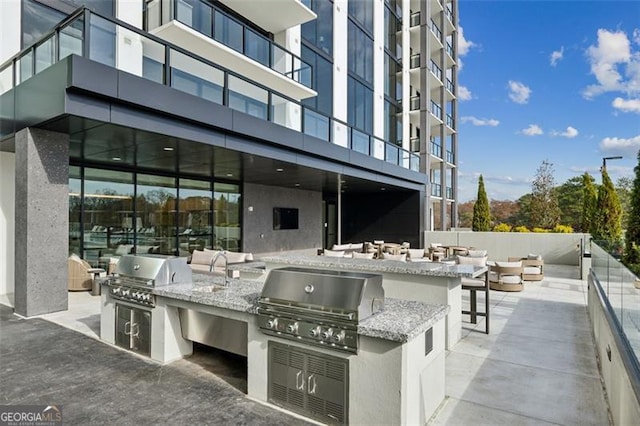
(563, 229)
(521, 229)
(502, 227)
(539, 230)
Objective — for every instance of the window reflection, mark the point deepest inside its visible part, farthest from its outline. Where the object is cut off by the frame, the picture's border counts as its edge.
(156, 214)
(226, 205)
(195, 219)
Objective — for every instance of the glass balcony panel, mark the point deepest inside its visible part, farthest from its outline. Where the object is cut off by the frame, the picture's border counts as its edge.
(256, 47)
(25, 67)
(415, 103)
(378, 148)
(436, 190)
(153, 58)
(435, 30)
(414, 19)
(360, 141)
(153, 14)
(282, 61)
(450, 121)
(194, 14)
(71, 39)
(316, 124)
(340, 134)
(392, 154)
(102, 41)
(301, 72)
(286, 113)
(192, 76)
(6, 79)
(415, 61)
(414, 163)
(45, 54)
(247, 98)
(450, 87)
(228, 32)
(435, 69)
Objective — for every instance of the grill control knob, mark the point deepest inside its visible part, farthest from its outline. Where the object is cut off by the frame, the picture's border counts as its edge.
(272, 323)
(326, 335)
(292, 328)
(314, 332)
(338, 337)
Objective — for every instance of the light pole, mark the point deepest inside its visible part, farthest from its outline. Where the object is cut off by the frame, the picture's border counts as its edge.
(604, 160)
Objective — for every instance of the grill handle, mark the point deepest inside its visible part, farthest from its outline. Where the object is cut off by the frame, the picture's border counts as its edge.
(278, 306)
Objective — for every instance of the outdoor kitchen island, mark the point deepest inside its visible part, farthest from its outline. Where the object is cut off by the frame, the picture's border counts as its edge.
(428, 282)
(396, 376)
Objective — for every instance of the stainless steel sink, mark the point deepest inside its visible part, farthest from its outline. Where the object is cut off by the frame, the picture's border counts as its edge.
(209, 288)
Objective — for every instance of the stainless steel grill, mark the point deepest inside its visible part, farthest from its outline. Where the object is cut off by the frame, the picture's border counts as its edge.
(319, 307)
(137, 275)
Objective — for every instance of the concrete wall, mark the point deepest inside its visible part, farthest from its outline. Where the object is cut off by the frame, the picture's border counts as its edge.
(257, 219)
(7, 225)
(561, 249)
(623, 402)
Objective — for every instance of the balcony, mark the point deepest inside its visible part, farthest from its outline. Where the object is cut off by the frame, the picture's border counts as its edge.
(450, 158)
(126, 48)
(436, 149)
(449, 191)
(450, 122)
(436, 190)
(450, 86)
(276, 17)
(212, 34)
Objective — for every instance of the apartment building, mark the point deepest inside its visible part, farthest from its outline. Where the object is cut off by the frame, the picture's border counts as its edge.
(161, 126)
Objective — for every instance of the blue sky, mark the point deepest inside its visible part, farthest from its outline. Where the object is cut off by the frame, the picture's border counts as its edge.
(546, 80)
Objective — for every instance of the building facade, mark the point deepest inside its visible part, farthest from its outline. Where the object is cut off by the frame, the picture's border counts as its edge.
(162, 126)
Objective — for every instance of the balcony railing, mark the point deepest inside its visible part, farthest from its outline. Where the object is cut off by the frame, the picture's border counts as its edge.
(217, 25)
(435, 30)
(101, 39)
(450, 86)
(414, 61)
(450, 157)
(435, 69)
(414, 103)
(449, 49)
(415, 144)
(414, 19)
(450, 121)
(436, 110)
(436, 189)
(449, 192)
(448, 13)
(436, 149)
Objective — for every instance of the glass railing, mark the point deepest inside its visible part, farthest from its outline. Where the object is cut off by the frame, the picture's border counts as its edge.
(218, 25)
(436, 149)
(436, 110)
(450, 86)
(414, 61)
(448, 13)
(435, 70)
(435, 30)
(414, 103)
(621, 288)
(450, 157)
(449, 49)
(414, 20)
(436, 189)
(124, 47)
(450, 121)
(449, 192)
(415, 144)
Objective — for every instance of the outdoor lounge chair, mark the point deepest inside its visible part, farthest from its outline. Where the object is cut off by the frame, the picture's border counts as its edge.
(533, 267)
(506, 276)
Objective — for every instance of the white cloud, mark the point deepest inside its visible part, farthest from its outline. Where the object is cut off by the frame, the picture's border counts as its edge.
(464, 45)
(570, 133)
(636, 36)
(464, 94)
(627, 105)
(480, 121)
(621, 146)
(556, 55)
(614, 65)
(532, 130)
(519, 93)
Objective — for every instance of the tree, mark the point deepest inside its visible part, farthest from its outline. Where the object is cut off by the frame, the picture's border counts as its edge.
(504, 211)
(589, 203)
(481, 215)
(632, 236)
(623, 189)
(569, 196)
(465, 214)
(608, 226)
(545, 212)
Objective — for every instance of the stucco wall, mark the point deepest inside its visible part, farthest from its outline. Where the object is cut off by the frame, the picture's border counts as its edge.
(561, 249)
(7, 223)
(258, 233)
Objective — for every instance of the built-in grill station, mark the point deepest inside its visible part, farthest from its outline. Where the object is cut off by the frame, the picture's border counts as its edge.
(319, 307)
(132, 285)
(136, 276)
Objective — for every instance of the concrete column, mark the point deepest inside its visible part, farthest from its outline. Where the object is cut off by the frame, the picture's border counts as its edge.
(42, 221)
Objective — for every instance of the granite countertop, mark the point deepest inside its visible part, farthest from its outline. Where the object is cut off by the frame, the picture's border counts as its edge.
(254, 267)
(399, 321)
(433, 269)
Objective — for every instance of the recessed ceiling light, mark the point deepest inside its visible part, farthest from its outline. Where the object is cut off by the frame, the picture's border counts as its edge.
(383, 189)
(297, 184)
(116, 158)
(229, 174)
(168, 148)
(279, 170)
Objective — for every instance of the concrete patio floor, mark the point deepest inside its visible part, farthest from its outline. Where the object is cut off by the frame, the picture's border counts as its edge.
(538, 366)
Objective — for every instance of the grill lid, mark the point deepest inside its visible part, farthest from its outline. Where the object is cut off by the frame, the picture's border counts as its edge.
(323, 290)
(154, 270)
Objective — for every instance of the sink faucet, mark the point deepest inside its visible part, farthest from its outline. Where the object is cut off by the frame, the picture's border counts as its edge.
(226, 266)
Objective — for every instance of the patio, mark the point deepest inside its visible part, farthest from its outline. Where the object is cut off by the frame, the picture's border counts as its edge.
(538, 366)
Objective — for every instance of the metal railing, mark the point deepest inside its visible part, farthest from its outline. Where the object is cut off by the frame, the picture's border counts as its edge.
(219, 26)
(448, 13)
(450, 86)
(435, 30)
(414, 61)
(414, 103)
(436, 110)
(414, 19)
(90, 35)
(449, 49)
(435, 70)
(436, 149)
(436, 189)
(450, 121)
(450, 158)
(449, 191)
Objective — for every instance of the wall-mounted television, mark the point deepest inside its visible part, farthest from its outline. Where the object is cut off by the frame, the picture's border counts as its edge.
(285, 218)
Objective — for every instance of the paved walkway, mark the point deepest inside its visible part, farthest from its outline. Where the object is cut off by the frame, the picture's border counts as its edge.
(538, 366)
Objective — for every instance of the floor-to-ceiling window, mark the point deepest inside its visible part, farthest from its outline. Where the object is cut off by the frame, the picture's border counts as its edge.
(317, 51)
(156, 211)
(360, 79)
(227, 207)
(195, 221)
(393, 72)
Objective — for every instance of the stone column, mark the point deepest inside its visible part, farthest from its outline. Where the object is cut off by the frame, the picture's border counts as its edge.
(42, 221)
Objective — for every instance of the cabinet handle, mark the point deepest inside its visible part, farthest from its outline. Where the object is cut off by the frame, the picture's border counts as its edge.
(311, 384)
(127, 324)
(300, 381)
